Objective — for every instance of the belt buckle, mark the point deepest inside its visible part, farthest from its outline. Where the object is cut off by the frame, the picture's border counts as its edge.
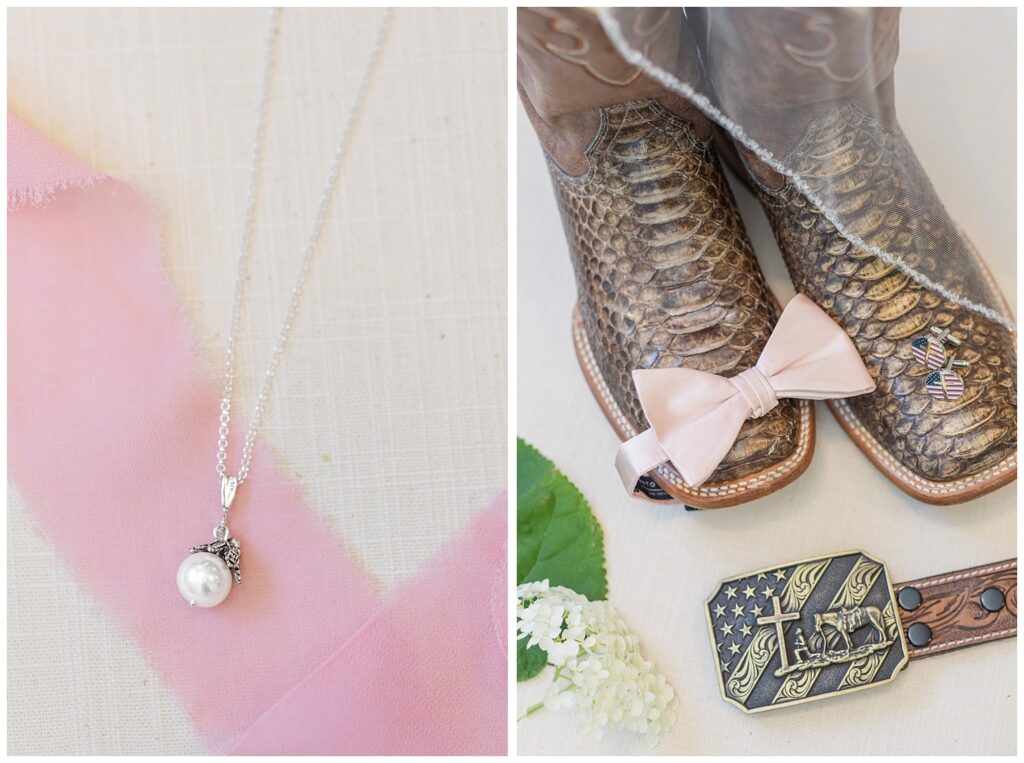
(836, 617)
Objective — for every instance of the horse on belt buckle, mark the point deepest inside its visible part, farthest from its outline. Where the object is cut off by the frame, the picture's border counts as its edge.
(846, 621)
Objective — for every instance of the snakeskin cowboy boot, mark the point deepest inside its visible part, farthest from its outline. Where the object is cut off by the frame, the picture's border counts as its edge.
(666, 276)
(940, 446)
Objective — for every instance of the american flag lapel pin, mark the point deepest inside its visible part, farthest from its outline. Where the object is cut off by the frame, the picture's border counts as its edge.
(946, 384)
(930, 350)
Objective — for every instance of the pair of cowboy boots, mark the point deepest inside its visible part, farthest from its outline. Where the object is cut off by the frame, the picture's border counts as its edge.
(666, 275)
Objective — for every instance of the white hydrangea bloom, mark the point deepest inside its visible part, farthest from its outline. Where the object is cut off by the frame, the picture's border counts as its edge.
(599, 671)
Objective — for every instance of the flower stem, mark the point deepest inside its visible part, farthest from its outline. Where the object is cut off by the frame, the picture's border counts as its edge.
(531, 710)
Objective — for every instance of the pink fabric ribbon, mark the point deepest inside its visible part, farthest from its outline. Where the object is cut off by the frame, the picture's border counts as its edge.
(111, 418)
(696, 416)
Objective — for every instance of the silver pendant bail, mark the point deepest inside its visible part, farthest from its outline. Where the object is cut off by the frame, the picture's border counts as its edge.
(228, 486)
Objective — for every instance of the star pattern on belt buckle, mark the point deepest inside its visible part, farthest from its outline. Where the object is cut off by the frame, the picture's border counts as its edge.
(836, 623)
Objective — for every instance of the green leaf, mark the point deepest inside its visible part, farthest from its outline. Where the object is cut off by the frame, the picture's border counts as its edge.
(557, 539)
(557, 536)
(529, 662)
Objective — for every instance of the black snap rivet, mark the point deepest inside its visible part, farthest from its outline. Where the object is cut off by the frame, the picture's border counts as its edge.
(909, 599)
(919, 634)
(992, 599)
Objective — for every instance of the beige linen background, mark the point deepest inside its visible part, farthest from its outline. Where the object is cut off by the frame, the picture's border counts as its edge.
(389, 408)
(955, 91)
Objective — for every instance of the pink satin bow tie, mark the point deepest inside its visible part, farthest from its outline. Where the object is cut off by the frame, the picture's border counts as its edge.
(696, 416)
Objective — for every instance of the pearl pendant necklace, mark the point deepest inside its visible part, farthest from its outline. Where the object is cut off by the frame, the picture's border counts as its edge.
(207, 574)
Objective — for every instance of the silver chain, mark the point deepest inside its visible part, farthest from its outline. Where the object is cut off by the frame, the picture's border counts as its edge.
(311, 245)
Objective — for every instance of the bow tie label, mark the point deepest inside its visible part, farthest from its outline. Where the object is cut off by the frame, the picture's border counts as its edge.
(652, 489)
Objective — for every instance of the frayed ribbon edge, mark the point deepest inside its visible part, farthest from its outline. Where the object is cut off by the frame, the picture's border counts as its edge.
(42, 195)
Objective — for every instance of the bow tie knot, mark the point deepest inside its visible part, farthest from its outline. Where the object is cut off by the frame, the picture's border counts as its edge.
(695, 416)
(756, 391)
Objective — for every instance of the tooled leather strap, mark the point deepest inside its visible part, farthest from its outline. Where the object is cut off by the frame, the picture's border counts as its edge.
(958, 609)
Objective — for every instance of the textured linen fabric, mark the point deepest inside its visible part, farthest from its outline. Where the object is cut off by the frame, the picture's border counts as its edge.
(400, 343)
(663, 562)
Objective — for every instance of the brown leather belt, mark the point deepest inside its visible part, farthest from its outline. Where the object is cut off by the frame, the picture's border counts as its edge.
(959, 609)
(843, 626)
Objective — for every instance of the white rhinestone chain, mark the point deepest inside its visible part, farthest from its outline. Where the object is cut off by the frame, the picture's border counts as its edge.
(311, 245)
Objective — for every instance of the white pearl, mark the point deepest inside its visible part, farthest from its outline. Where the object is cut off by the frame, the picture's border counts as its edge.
(204, 579)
